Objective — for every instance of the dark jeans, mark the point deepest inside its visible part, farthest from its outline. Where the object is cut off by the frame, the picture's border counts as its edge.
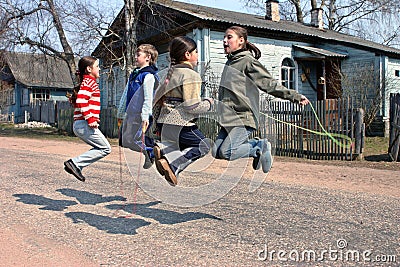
(182, 145)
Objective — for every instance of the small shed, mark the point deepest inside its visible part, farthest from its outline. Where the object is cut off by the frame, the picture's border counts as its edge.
(27, 78)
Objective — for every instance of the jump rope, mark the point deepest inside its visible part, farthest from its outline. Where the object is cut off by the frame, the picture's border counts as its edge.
(323, 131)
(346, 143)
(134, 208)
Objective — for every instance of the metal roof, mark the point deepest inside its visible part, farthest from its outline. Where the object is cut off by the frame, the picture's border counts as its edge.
(284, 26)
(319, 51)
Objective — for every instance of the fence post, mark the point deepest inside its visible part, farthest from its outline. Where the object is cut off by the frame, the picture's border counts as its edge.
(26, 116)
(394, 120)
(359, 134)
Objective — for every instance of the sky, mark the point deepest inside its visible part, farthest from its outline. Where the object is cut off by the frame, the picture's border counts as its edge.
(233, 5)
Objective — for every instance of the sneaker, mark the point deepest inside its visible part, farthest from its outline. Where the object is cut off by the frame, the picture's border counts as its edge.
(266, 157)
(157, 158)
(148, 162)
(71, 168)
(168, 172)
(256, 160)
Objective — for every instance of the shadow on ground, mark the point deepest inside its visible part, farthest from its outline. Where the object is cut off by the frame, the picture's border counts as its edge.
(378, 158)
(113, 224)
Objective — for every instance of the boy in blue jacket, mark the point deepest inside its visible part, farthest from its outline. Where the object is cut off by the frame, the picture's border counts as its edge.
(135, 108)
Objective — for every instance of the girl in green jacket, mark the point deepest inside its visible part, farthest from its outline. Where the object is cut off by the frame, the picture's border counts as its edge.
(241, 80)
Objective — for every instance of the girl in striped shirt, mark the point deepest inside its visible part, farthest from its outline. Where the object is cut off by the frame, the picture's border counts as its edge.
(87, 117)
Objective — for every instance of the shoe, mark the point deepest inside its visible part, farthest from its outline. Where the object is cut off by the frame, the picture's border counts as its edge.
(169, 174)
(148, 162)
(70, 167)
(157, 158)
(256, 160)
(266, 157)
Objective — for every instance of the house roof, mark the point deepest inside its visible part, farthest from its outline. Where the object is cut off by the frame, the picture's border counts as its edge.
(319, 51)
(38, 70)
(283, 26)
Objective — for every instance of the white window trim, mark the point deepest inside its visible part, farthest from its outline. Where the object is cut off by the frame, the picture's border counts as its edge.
(296, 72)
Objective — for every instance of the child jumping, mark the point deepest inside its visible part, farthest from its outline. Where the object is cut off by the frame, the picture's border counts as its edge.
(177, 104)
(86, 102)
(135, 108)
(242, 78)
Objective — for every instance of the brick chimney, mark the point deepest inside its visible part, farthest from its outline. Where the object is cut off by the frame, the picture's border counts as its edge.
(272, 10)
(316, 18)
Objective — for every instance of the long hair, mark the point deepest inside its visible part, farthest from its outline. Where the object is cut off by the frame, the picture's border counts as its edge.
(177, 49)
(84, 62)
(242, 32)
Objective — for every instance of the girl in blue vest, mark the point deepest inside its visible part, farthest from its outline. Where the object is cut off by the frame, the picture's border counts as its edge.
(135, 108)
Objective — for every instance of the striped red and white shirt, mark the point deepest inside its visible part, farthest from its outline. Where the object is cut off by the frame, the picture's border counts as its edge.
(87, 106)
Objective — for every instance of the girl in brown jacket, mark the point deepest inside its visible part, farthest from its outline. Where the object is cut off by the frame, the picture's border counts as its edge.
(178, 103)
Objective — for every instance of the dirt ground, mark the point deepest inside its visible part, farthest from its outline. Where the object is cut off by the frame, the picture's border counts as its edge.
(381, 178)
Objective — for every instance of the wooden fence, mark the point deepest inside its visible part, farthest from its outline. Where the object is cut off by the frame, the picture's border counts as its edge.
(108, 121)
(315, 131)
(46, 111)
(285, 124)
(394, 136)
(7, 118)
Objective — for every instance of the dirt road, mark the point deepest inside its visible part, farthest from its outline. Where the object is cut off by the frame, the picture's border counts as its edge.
(51, 219)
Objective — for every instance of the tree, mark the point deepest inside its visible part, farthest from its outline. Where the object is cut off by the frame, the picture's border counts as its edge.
(51, 27)
(355, 17)
(130, 33)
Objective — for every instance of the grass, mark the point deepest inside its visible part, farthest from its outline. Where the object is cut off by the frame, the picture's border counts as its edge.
(376, 145)
(376, 149)
(39, 133)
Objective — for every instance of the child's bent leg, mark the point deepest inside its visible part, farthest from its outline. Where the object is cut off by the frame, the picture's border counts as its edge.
(236, 145)
(215, 151)
(94, 138)
(193, 145)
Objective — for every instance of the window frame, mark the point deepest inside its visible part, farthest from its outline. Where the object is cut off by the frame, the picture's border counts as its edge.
(289, 74)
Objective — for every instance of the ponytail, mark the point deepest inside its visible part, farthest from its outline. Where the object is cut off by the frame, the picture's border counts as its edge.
(83, 63)
(253, 49)
(242, 32)
(177, 49)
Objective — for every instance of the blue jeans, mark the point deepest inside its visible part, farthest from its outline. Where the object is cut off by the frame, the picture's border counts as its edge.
(130, 135)
(93, 137)
(233, 143)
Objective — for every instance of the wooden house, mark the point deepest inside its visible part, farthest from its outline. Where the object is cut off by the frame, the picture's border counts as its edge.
(316, 62)
(27, 78)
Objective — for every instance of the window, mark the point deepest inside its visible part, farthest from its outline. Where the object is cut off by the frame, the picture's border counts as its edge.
(25, 97)
(397, 73)
(40, 94)
(288, 72)
(11, 97)
(7, 94)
